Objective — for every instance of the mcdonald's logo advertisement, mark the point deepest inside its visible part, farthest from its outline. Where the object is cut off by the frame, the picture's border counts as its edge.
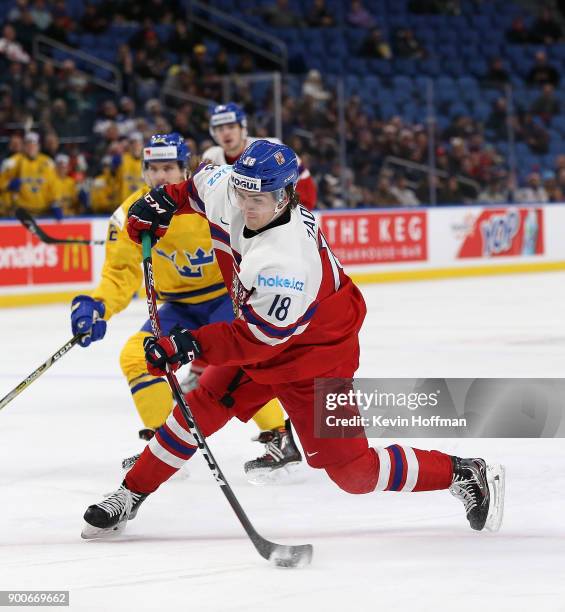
(25, 260)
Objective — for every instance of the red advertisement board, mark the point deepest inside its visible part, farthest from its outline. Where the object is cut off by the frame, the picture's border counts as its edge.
(377, 237)
(503, 232)
(24, 260)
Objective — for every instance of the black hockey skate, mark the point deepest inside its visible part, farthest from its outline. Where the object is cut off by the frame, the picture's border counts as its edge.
(481, 489)
(109, 517)
(281, 456)
(144, 434)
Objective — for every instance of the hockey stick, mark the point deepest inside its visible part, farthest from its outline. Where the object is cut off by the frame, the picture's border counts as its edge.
(39, 371)
(279, 554)
(31, 225)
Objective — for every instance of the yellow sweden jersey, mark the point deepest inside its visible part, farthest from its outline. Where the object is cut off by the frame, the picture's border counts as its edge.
(67, 194)
(184, 264)
(130, 176)
(105, 192)
(37, 191)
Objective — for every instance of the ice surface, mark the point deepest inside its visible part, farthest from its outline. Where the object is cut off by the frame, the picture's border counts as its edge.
(62, 440)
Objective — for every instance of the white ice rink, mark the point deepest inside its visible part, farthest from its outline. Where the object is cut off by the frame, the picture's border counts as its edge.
(61, 442)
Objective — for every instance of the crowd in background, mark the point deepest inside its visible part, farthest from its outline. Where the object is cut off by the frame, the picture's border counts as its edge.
(92, 141)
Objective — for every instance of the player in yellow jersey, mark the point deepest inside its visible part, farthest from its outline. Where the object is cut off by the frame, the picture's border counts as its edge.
(27, 179)
(129, 171)
(66, 187)
(105, 189)
(189, 282)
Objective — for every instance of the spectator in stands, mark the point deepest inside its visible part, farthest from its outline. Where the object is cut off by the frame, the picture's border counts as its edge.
(156, 11)
(246, 64)
(330, 192)
(518, 33)
(15, 144)
(41, 14)
(107, 115)
(221, 63)
(406, 143)
(423, 7)
(497, 75)
(551, 186)
(126, 65)
(404, 195)
(63, 124)
(61, 25)
(200, 62)
(546, 105)
(457, 153)
(384, 196)
(127, 116)
(559, 165)
(495, 189)
(450, 192)
(359, 17)
(319, 15)
(313, 87)
(533, 191)
(16, 11)
(10, 48)
(541, 72)
(375, 47)
(183, 39)
(546, 29)
(51, 144)
(94, 19)
(279, 15)
(497, 121)
(533, 134)
(407, 46)
(26, 30)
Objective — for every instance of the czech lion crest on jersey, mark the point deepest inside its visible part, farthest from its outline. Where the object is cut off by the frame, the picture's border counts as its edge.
(239, 295)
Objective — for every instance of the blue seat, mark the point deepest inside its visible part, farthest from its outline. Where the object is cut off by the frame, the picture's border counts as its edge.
(382, 68)
(406, 66)
(430, 67)
(558, 123)
(401, 82)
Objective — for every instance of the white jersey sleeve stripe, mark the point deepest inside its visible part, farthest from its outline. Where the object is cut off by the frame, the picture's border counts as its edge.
(412, 469)
(384, 469)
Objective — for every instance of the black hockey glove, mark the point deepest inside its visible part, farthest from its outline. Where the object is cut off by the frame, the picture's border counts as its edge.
(152, 213)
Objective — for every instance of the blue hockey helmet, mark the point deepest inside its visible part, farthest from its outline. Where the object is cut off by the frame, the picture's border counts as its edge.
(166, 147)
(223, 114)
(265, 166)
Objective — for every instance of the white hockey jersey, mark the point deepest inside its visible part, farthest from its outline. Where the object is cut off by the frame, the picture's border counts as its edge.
(298, 314)
(306, 187)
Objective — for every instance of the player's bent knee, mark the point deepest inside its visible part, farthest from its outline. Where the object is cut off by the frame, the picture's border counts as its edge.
(357, 476)
(132, 355)
(208, 411)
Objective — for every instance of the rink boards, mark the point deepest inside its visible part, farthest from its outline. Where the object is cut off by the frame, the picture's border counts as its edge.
(374, 245)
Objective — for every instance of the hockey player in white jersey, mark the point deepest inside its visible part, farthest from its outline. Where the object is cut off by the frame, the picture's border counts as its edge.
(228, 127)
(298, 317)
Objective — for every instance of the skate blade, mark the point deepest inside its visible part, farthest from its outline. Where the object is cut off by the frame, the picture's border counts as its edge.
(89, 532)
(496, 477)
(287, 474)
